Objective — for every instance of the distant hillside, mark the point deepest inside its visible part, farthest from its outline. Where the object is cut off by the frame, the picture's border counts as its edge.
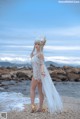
(5, 64)
(9, 64)
(48, 63)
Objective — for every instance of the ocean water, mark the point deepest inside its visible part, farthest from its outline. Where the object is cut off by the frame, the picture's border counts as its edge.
(14, 101)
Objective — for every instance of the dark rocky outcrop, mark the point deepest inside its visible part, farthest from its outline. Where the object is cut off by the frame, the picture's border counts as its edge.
(65, 73)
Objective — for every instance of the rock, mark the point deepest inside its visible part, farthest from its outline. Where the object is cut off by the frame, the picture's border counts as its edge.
(73, 77)
(76, 70)
(73, 70)
(77, 80)
(62, 77)
(56, 79)
(65, 73)
(53, 74)
(13, 76)
(50, 68)
(58, 74)
(66, 67)
(6, 77)
(4, 71)
(22, 75)
(59, 71)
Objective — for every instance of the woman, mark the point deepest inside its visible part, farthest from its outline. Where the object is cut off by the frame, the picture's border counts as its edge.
(42, 79)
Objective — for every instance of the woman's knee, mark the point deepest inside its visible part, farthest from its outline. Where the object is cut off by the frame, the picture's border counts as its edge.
(39, 83)
(40, 86)
(33, 87)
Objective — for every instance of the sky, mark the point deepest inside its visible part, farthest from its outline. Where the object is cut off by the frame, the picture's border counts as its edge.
(24, 21)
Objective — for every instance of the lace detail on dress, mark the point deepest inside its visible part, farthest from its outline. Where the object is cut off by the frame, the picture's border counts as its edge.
(36, 65)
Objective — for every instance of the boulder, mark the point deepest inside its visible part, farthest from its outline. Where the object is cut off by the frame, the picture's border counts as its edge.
(66, 67)
(62, 77)
(22, 75)
(55, 79)
(58, 71)
(6, 77)
(73, 77)
(73, 70)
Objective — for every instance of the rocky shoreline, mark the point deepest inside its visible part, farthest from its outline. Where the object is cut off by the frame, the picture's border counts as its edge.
(12, 78)
(65, 73)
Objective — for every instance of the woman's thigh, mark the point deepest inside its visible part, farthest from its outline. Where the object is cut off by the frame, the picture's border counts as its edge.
(33, 83)
(40, 87)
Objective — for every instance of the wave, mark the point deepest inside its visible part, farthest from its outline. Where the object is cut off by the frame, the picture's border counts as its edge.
(56, 59)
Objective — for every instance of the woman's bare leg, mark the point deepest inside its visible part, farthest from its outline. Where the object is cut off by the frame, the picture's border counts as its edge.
(32, 90)
(41, 95)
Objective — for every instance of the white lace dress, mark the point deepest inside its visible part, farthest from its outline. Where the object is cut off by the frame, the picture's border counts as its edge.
(54, 101)
(36, 65)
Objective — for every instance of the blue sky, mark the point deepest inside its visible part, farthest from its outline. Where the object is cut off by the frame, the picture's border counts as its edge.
(24, 21)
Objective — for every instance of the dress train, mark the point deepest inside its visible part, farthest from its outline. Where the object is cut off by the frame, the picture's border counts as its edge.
(54, 100)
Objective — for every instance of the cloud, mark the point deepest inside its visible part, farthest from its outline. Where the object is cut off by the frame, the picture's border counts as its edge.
(62, 48)
(65, 60)
(48, 47)
(39, 32)
(15, 58)
(57, 59)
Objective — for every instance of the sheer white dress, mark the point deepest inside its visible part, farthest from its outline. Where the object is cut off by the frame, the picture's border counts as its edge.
(54, 101)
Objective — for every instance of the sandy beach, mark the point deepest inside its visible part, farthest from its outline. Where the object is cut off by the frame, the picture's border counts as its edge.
(71, 111)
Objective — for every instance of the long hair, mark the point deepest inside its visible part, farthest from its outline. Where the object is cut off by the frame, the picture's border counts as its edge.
(41, 43)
